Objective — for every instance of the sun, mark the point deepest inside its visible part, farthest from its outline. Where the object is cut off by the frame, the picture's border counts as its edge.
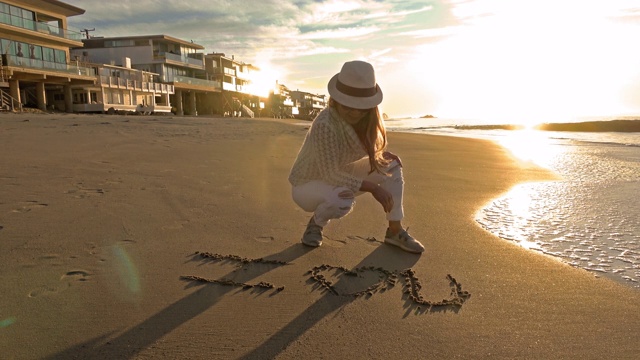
(264, 80)
(528, 65)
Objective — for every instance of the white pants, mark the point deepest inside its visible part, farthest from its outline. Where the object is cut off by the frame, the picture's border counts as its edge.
(330, 202)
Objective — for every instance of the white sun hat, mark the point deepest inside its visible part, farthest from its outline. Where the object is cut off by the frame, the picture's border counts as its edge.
(355, 86)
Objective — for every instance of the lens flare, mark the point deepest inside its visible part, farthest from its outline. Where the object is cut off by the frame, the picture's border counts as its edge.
(7, 322)
(126, 269)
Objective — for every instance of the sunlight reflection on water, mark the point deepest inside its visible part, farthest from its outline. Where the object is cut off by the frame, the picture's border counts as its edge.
(589, 218)
(533, 146)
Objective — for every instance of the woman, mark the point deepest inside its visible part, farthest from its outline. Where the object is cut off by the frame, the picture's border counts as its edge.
(344, 155)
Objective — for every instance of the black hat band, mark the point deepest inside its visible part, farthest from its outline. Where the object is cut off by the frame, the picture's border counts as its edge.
(356, 92)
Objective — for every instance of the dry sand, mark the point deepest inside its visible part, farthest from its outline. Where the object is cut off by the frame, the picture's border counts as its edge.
(105, 220)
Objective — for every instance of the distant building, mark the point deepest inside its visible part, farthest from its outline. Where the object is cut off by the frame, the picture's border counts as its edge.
(36, 69)
(281, 104)
(308, 104)
(237, 97)
(176, 62)
(46, 65)
(123, 89)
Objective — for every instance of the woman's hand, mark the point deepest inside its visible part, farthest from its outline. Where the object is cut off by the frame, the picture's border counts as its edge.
(391, 156)
(383, 197)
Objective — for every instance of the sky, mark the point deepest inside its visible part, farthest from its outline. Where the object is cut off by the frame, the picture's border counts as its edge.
(519, 61)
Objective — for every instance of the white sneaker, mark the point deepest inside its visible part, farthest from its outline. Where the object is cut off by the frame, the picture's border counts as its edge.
(312, 235)
(404, 241)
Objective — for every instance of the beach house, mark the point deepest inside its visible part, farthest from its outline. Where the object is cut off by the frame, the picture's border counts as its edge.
(308, 104)
(121, 88)
(176, 62)
(238, 95)
(281, 104)
(36, 69)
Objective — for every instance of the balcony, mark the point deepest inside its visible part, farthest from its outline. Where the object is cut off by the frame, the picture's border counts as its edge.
(16, 61)
(44, 28)
(179, 58)
(213, 85)
(120, 83)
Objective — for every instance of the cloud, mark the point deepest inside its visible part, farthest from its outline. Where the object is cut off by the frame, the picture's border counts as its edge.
(421, 49)
(340, 33)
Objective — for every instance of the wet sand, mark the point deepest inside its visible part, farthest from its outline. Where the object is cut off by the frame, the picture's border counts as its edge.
(140, 237)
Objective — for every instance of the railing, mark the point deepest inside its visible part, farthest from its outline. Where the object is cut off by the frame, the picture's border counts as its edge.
(199, 82)
(171, 56)
(45, 28)
(121, 107)
(17, 61)
(8, 102)
(243, 75)
(112, 81)
(193, 61)
(179, 58)
(246, 111)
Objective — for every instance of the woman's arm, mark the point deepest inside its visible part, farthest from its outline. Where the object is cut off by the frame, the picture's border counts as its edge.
(381, 195)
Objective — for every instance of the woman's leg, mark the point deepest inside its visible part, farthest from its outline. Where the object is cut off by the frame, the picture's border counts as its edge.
(393, 182)
(327, 202)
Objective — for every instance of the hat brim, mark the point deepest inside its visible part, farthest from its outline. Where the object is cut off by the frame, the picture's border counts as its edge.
(355, 102)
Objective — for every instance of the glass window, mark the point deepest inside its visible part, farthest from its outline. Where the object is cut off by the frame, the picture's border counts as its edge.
(22, 49)
(35, 52)
(28, 18)
(47, 54)
(60, 56)
(5, 15)
(16, 16)
(4, 46)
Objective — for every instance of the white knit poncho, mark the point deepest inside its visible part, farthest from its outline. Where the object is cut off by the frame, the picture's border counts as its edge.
(329, 149)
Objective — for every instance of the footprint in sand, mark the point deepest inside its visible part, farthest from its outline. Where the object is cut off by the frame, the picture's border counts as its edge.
(27, 206)
(369, 240)
(82, 192)
(52, 259)
(66, 281)
(176, 225)
(43, 291)
(265, 239)
(76, 275)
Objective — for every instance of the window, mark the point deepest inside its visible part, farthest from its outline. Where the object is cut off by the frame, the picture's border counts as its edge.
(60, 56)
(35, 52)
(47, 54)
(21, 49)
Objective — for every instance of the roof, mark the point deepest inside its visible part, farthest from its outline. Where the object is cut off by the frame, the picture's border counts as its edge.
(146, 37)
(55, 6)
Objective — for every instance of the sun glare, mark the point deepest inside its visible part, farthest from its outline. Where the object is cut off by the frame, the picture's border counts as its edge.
(264, 80)
(531, 64)
(532, 146)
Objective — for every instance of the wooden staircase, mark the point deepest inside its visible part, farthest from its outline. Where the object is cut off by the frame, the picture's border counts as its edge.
(9, 103)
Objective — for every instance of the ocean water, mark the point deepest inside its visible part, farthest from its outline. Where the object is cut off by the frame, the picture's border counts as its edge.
(590, 218)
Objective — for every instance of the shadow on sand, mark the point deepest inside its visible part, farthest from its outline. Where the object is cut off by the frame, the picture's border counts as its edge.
(139, 337)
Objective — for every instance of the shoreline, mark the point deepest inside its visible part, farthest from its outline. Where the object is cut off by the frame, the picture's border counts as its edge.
(102, 215)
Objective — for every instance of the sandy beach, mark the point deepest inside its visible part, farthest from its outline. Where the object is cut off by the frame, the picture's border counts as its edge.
(162, 237)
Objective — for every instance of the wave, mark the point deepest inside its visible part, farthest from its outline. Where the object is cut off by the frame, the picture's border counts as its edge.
(593, 126)
(489, 127)
(586, 126)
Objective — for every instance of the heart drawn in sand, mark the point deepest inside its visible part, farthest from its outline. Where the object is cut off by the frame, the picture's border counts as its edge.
(368, 280)
(341, 281)
(365, 280)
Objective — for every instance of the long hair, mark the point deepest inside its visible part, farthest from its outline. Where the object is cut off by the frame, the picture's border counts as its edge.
(373, 135)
